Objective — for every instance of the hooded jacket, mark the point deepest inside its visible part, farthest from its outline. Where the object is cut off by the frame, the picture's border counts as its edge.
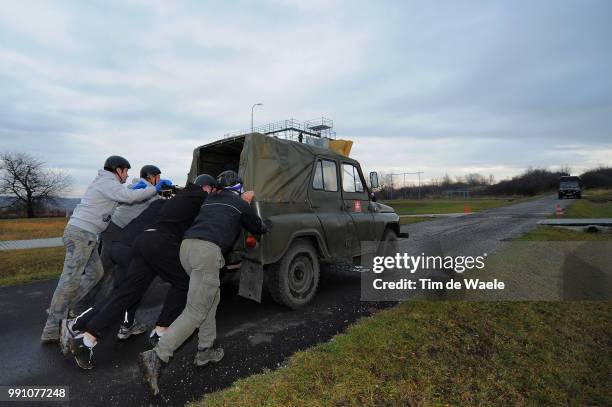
(125, 212)
(93, 213)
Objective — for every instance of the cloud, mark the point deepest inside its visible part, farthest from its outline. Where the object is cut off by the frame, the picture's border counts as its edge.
(435, 87)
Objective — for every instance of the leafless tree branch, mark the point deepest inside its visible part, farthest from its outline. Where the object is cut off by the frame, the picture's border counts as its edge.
(26, 178)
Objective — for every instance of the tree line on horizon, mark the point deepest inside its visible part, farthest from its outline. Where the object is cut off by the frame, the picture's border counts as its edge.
(30, 189)
(531, 182)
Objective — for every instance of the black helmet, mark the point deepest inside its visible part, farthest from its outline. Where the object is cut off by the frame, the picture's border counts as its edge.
(114, 161)
(228, 179)
(149, 170)
(205, 179)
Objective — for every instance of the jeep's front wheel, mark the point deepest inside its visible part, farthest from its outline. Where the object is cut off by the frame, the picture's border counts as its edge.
(294, 279)
(388, 244)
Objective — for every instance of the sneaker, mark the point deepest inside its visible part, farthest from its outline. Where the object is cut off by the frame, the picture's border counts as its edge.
(83, 354)
(154, 338)
(150, 366)
(136, 328)
(50, 334)
(207, 355)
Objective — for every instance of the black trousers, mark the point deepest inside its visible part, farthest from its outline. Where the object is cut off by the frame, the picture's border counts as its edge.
(122, 257)
(154, 254)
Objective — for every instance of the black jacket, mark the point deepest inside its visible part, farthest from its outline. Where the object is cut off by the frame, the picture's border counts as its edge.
(178, 213)
(220, 219)
(145, 220)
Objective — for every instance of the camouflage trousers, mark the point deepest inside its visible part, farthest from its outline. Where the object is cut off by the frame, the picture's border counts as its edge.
(82, 271)
(202, 261)
(106, 283)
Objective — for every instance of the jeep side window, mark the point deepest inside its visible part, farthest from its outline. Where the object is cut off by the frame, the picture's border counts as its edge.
(351, 181)
(325, 176)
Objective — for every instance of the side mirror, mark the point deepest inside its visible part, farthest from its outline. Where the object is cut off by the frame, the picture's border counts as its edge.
(374, 180)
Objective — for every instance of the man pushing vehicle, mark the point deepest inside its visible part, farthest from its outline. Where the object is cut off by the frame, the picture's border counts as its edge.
(82, 266)
(155, 253)
(212, 235)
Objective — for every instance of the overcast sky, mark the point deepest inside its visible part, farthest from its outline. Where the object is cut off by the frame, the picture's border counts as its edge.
(441, 87)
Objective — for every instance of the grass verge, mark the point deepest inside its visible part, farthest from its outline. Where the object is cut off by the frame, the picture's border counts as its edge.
(22, 266)
(594, 204)
(427, 206)
(557, 234)
(448, 353)
(38, 228)
(408, 221)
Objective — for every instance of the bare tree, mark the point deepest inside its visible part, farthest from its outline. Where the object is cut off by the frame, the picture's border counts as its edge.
(24, 177)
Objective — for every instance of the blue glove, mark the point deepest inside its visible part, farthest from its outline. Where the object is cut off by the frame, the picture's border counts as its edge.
(139, 185)
(163, 183)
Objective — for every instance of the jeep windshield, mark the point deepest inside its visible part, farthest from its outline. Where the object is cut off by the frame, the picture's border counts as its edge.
(569, 184)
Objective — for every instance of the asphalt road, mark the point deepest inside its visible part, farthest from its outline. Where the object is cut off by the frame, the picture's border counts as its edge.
(255, 336)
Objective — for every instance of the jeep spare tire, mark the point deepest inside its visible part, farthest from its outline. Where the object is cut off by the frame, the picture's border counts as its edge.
(293, 281)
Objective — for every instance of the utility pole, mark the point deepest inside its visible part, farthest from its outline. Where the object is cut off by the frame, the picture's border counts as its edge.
(253, 107)
(404, 175)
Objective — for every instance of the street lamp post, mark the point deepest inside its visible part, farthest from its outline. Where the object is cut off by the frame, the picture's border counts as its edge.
(253, 107)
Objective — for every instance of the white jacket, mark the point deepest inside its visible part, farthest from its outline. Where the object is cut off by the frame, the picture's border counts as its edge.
(93, 214)
(125, 212)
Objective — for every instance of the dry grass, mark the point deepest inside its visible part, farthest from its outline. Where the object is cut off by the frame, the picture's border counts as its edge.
(37, 228)
(22, 266)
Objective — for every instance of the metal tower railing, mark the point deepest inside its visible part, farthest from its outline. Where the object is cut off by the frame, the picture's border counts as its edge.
(291, 129)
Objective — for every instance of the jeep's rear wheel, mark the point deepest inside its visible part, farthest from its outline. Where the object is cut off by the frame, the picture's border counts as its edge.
(293, 281)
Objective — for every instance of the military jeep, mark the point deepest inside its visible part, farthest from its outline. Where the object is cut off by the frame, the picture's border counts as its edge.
(319, 204)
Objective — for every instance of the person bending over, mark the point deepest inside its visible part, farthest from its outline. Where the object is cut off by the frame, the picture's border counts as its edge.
(82, 266)
(211, 236)
(155, 253)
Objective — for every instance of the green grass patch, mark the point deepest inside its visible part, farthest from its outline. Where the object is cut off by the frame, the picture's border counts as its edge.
(22, 266)
(426, 206)
(594, 204)
(553, 233)
(448, 353)
(411, 220)
(37, 228)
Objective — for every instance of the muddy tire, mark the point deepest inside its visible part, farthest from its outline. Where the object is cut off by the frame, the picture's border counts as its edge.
(293, 281)
(388, 244)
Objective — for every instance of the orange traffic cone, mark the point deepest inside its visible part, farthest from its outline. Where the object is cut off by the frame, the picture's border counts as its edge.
(467, 209)
(559, 211)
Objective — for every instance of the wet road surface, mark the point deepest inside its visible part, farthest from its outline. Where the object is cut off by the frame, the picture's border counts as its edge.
(255, 336)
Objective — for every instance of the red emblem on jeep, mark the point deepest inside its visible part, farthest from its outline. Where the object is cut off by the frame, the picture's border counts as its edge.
(357, 206)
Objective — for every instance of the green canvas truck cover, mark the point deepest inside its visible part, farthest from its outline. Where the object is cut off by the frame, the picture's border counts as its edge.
(278, 170)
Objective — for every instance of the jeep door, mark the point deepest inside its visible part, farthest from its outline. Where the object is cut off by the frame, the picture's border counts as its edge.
(357, 205)
(326, 202)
